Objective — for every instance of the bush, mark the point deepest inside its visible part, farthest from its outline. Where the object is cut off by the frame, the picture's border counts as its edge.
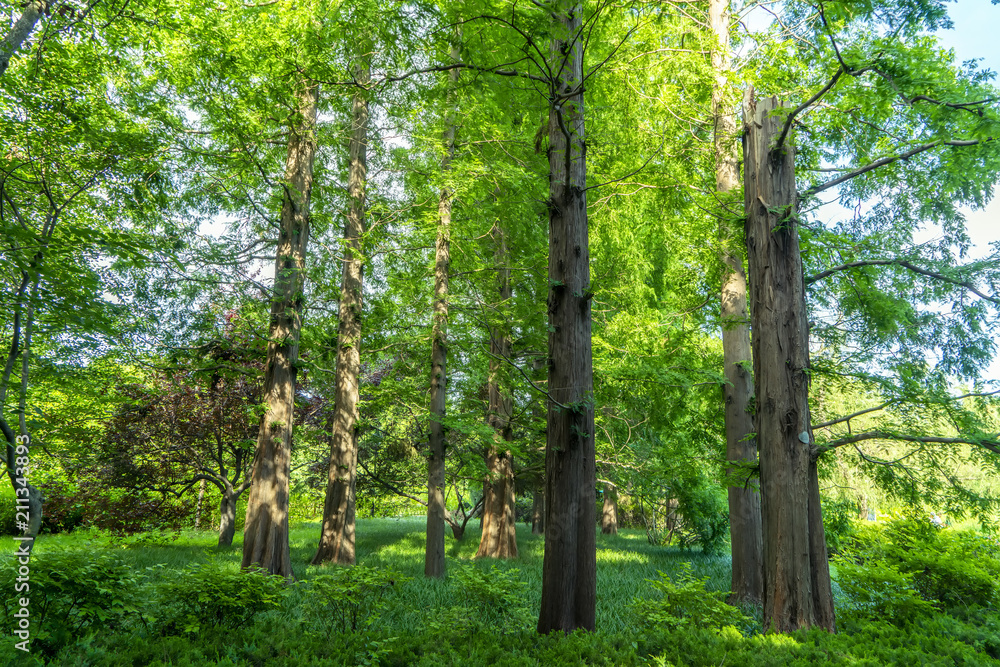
(72, 594)
(684, 603)
(906, 569)
(492, 599)
(208, 595)
(350, 597)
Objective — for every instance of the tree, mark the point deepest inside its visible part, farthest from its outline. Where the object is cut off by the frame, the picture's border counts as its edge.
(265, 535)
(741, 445)
(569, 571)
(336, 542)
(499, 539)
(797, 587)
(905, 102)
(175, 434)
(434, 565)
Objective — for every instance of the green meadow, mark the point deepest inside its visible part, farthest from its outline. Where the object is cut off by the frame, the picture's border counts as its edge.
(177, 599)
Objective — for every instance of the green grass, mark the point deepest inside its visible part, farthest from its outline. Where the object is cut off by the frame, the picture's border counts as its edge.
(434, 622)
(624, 562)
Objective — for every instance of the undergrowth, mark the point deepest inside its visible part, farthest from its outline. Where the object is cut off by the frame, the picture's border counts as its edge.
(909, 594)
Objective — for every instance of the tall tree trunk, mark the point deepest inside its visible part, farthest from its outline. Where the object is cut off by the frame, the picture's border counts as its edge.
(499, 538)
(538, 510)
(336, 542)
(434, 563)
(265, 535)
(569, 570)
(609, 511)
(797, 591)
(20, 32)
(741, 446)
(227, 517)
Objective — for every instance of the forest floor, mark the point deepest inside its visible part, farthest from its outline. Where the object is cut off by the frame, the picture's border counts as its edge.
(177, 599)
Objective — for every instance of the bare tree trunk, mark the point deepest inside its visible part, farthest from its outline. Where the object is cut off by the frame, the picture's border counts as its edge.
(20, 32)
(609, 512)
(265, 535)
(434, 562)
(337, 540)
(741, 446)
(797, 592)
(569, 570)
(499, 537)
(227, 517)
(201, 499)
(538, 510)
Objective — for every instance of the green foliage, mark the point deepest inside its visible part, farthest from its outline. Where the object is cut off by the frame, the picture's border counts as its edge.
(911, 568)
(839, 522)
(685, 603)
(207, 596)
(72, 594)
(490, 599)
(350, 598)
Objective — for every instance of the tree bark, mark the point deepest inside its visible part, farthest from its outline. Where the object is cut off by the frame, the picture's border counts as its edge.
(201, 499)
(569, 570)
(20, 32)
(796, 574)
(609, 512)
(434, 562)
(538, 510)
(227, 518)
(499, 537)
(337, 540)
(741, 445)
(265, 535)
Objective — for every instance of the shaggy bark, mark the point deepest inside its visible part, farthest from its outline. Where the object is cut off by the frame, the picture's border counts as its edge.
(336, 543)
(796, 576)
(569, 569)
(434, 563)
(741, 446)
(499, 539)
(265, 535)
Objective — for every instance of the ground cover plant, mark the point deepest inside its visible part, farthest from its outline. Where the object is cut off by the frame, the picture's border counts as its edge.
(908, 593)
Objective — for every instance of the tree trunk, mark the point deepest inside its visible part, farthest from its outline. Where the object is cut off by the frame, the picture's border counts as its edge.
(796, 577)
(434, 563)
(197, 510)
(499, 538)
(265, 535)
(741, 446)
(227, 518)
(609, 512)
(569, 570)
(336, 542)
(538, 511)
(20, 32)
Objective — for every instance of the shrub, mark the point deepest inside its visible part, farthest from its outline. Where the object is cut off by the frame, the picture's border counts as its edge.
(72, 594)
(684, 603)
(209, 595)
(904, 569)
(350, 598)
(492, 599)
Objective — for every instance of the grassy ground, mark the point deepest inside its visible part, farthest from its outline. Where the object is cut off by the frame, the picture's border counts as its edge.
(624, 562)
(442, 622)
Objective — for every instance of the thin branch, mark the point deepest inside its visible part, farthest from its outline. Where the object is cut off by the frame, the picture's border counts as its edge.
(906, 264)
